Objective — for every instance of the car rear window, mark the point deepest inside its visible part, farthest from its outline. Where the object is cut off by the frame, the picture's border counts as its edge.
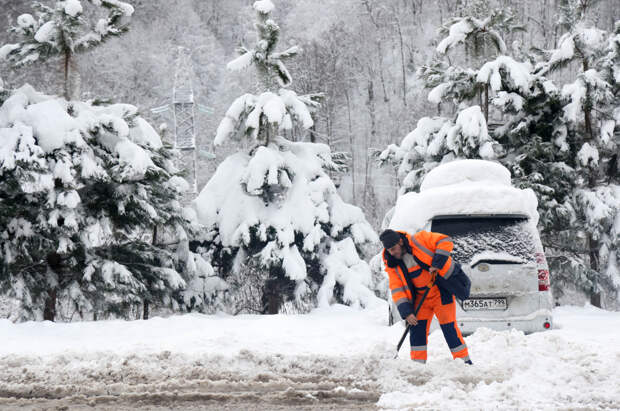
(479, 234)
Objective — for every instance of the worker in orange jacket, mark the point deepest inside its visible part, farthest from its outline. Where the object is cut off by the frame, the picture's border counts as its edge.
(415, 261)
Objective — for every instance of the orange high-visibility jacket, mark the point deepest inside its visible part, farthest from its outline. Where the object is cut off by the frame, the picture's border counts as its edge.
(432, 249)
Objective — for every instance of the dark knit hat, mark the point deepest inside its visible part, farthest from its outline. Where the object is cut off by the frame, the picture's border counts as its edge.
(389, 238)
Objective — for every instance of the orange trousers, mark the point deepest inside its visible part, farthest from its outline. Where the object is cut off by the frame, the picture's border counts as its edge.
(446, 315)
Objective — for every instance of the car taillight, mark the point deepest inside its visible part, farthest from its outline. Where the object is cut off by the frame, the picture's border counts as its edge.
(543, 272)
(543, 280)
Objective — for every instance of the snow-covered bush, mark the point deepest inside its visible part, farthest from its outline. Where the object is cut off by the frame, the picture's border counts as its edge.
(89, 202)
(280, 236)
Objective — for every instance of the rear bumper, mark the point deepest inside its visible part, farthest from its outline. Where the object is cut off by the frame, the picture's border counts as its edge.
(527, 324)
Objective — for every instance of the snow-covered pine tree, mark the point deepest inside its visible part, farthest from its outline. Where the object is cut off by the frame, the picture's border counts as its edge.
(61, 31)
(89, 203)
(436, 140)
(537, 153)
(465, 135)
(281, 238)
(587, 240)
(481, 34)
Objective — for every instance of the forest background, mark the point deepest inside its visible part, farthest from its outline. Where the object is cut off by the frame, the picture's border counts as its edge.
(365, 55)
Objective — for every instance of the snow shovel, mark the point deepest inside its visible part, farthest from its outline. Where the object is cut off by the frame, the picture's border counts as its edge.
(415, 313)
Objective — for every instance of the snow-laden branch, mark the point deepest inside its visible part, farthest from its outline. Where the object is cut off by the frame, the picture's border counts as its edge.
(278, 109)
(517, 74)
(466, 27)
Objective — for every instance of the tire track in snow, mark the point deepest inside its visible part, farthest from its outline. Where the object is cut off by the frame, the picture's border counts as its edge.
(163, 379)
(574, 366)
(511, 370)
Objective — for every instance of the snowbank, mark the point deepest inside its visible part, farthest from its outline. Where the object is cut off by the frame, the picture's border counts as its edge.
(463, 187)
(335, 353)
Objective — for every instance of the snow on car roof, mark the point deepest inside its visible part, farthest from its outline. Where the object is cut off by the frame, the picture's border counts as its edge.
(460, 171)
(463, 187)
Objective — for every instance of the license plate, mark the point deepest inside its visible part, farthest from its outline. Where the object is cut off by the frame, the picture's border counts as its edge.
(485, 304)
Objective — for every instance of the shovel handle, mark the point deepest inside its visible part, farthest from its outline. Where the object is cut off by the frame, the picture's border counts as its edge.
(402, 338)
(415, 313)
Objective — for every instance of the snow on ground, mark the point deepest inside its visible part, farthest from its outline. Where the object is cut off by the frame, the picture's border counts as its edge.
(333, 358)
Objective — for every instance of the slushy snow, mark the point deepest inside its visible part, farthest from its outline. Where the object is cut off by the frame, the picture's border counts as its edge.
(336, 352)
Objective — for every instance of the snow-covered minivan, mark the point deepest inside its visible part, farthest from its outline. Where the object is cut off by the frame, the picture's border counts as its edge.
(493, 227)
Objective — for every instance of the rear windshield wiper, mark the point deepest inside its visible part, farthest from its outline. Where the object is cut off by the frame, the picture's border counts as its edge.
(497, 262)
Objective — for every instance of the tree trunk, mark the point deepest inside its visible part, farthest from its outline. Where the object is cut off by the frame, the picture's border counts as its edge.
(67, 64)
(587, 111)
(402, 61)
(54, 263)
(351, 145)
(370, 138)
(486, 103)
(588, 115)
(386, 98)
(272, 301)
(440, 14)
(49, 314)
(313, 132)
(414, 11)
(145, 310)
(145, 303)
(378, 43)
(543, 19)
(593, 247)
